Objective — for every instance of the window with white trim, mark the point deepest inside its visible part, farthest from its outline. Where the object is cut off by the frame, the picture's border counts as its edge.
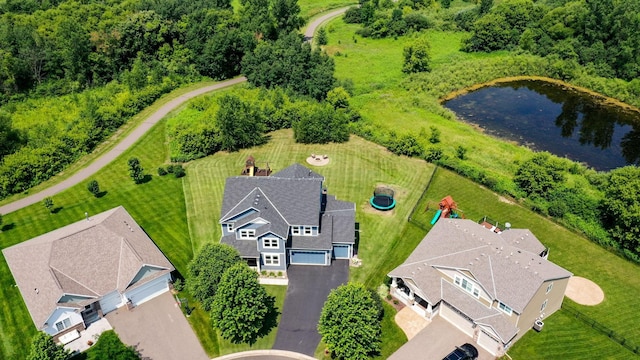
(502, 306)
(270, 243)
(271, 259)
(549, 287)
(296, 230)
(247, 233)
(61, 325)
(307, 231)
(544, 304)
(467, 285)
(230, 227)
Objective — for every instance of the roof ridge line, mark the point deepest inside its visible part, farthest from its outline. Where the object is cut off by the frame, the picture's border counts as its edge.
(442, 256)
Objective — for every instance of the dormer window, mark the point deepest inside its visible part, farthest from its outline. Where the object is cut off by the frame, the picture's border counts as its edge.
(502, 306)
(296, 230)
(247, 233)
(307, 231)
(467, 285)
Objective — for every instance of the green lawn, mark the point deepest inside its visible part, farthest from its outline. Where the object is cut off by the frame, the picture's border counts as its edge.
(311, 8)
(614, 275)
(158, 206)
(356, 168)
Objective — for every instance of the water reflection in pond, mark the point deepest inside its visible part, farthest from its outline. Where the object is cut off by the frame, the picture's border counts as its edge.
(546, 116)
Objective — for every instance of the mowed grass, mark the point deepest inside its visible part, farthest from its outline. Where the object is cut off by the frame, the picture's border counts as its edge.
(617, 277)
(355, 169)
(226, 347)
(158, 206)
(311, 8)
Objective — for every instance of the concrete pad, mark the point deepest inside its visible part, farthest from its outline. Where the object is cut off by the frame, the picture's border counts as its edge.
(410, 322)
(158, 330)
(584, 291)
(436, 341)
(90, 333)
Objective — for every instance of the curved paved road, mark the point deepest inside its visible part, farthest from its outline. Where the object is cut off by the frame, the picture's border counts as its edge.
(138, 132)
(105, 159)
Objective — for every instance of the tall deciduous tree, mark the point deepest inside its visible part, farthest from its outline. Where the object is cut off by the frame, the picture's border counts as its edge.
(109, 346)
(44, 348)
(350, 322)
(320, 125)
(540, 175)
(206, 269)
(241, 124)
(242, 310)
(416, 56)
(621, 206)
(287, 15)
(10, 138)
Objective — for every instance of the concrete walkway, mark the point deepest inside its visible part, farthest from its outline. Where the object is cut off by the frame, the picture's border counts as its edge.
(105, 159)
(410, 322)
(266, 355)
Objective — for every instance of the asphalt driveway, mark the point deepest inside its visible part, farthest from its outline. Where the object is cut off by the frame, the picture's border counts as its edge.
(158, 330)
(435, 341)
(308, 289)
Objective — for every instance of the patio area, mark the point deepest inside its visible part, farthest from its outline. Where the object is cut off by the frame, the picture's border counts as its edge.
(91, 333)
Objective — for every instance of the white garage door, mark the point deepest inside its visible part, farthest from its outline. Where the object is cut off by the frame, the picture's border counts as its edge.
(456, 319)
(110, 302)
(148, 291)
(488, 342)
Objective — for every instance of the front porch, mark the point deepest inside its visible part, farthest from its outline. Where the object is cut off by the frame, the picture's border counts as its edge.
(407, 296)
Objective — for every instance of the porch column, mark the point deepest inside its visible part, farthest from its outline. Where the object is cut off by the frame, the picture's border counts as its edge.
(394, 282)
(412, 297)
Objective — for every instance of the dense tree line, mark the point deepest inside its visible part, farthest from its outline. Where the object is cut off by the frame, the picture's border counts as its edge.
(241, 119)
(603, 35)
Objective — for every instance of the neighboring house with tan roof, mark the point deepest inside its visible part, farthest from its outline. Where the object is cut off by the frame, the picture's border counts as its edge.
(286, 218)
(74, 275)
(492, 286)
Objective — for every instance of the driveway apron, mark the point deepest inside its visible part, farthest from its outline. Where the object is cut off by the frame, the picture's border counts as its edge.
(308, 289)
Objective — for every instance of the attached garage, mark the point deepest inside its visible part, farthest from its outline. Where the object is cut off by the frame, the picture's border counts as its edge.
(110, 302)
(149, 290)
(457, 319)
(488, 342)
(341, 251)
(298, 257)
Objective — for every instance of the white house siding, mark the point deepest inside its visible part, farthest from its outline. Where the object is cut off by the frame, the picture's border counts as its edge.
(60, 314)
(110, 302)
(488, 343)
(149, 290)
(459, 321)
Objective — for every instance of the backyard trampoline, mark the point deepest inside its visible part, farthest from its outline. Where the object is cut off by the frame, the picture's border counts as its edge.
(382, 198)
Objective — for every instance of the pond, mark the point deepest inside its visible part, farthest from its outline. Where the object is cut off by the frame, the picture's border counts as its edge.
(550, 117)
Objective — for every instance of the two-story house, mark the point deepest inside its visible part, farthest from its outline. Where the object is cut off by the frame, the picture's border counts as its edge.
(286, 218)
(492, 285)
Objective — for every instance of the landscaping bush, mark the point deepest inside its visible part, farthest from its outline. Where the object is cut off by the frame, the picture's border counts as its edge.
(162, 171)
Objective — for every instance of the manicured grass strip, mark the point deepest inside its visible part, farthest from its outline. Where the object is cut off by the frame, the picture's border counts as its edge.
(564, 337)
(158, 206)
(266, 342)
(614, 275)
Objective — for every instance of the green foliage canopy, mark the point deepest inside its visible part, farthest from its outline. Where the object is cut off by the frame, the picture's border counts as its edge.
(241, 124)
(44, 348)
(621, 206)
(206, 269)
(350, 322)
(540, 175)
(110, 347)
(416, 56)
(242, 310)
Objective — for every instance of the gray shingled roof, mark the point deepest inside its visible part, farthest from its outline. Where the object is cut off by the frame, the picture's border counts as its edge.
(297, 200)
(89, 258)
(297, 171)
(509, 274)
(246, 248)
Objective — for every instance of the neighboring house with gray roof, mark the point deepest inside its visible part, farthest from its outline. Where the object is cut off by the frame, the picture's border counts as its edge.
(492, 286)
(286, 218)
(74, 275)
